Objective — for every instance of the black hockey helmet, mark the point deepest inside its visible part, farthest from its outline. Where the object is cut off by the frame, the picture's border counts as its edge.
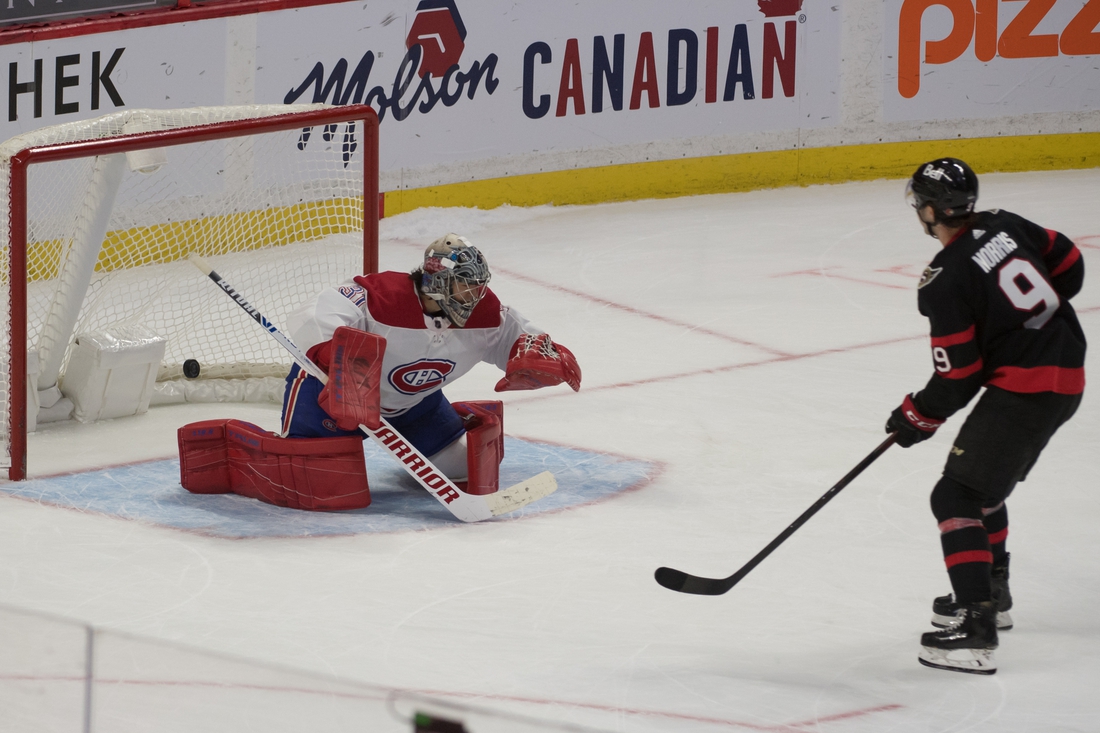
(948, 185)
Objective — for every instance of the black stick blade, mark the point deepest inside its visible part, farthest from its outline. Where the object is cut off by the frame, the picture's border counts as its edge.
(671, 579)
(681, 582)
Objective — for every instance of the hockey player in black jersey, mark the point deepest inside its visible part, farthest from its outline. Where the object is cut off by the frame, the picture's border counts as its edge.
(997, 300)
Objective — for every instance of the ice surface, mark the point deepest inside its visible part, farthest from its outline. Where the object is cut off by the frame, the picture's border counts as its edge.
(749, 347)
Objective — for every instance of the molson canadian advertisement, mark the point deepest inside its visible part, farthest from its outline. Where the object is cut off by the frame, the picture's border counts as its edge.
(464, 80)
(975, 59)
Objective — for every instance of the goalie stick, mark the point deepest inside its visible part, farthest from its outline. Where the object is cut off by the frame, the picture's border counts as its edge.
(467, 507)
(685, 583)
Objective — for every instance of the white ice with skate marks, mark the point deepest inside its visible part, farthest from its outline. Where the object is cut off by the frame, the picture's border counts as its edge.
(705, 349)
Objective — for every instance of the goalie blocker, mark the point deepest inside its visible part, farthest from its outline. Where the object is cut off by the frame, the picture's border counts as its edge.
(316, 474)
(351, 395)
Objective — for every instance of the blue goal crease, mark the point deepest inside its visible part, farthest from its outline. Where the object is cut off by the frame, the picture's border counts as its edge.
(151, 493)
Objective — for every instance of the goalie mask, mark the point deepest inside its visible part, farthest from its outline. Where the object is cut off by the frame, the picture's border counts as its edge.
(455, 276)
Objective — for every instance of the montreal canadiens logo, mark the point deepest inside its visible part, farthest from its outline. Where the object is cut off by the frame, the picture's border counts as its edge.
(421, 376)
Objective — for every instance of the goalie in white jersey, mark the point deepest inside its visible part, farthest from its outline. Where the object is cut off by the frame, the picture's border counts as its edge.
(391, 341)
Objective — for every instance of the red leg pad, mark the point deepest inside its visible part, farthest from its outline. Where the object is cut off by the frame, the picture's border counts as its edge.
(204, 468)
(484, 444)
(317, 474)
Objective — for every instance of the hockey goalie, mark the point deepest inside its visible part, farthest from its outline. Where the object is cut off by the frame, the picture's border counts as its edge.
(389, 343)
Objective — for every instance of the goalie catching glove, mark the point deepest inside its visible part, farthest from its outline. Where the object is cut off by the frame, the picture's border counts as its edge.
(536, 361)
(351, 395)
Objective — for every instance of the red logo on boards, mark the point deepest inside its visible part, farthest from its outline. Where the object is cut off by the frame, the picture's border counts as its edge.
(439, 31)
(779, 8)
(421, 376)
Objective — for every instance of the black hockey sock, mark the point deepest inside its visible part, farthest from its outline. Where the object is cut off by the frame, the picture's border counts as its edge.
(995, 520)
(964, 539)
(970, 582)
(969, 562)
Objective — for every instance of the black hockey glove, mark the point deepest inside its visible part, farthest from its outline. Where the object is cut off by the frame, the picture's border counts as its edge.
(911, 426)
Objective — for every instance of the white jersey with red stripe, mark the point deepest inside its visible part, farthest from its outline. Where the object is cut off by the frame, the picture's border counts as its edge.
(423, 353)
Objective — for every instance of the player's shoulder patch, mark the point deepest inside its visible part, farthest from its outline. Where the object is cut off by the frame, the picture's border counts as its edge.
(928, 276)
(355, 292)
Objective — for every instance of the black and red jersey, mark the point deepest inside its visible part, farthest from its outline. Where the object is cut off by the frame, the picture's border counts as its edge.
(997, 299)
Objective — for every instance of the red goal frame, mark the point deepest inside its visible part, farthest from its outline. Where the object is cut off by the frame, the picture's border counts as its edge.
(17, 197)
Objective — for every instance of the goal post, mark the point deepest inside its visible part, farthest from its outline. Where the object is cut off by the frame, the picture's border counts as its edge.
(102, 215)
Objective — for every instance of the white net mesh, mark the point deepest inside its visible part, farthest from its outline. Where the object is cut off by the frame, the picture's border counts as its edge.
(278, 214)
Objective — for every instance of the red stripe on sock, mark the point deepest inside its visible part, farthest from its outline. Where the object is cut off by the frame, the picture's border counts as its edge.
(950, 525)
(998, 537)
(959, 558)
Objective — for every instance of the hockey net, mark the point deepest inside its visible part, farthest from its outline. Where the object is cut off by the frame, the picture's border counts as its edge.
(100, 219)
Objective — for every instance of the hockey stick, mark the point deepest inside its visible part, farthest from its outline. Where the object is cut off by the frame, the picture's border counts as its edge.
(683, 582)
(467, 507)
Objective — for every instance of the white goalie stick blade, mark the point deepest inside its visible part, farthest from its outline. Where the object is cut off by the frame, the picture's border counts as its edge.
(467, 507)
(971, 661)
(522, 494)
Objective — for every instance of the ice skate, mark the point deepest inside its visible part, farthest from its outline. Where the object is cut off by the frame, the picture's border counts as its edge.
(966, 645)
(944, 608)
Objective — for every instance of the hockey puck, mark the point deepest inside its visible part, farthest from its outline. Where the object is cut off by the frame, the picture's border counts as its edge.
(191, 369)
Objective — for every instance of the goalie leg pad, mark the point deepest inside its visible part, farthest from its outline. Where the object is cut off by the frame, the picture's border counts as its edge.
(204, 465)
(484, 444)
(316, 474)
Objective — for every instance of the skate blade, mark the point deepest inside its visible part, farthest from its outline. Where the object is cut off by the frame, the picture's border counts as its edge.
(1004, 620)
(971, 661)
